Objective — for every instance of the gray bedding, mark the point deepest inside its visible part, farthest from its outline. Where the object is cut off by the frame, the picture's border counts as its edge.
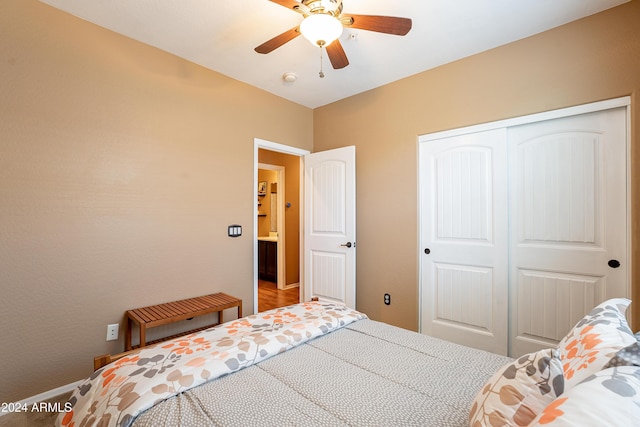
(365, 374)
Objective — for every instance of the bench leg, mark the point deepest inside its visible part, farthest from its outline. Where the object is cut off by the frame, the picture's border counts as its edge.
(143, 335)
(127, 335)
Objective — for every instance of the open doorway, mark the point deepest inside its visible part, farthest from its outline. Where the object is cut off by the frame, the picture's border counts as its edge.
(278, 226)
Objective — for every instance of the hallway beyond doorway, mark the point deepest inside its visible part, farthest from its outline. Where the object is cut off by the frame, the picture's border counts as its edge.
(269, 296)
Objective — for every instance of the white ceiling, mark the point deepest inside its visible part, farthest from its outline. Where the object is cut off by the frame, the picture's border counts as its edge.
(221, 35)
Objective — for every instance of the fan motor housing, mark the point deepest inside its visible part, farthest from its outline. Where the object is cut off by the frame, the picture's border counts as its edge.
(331, 7)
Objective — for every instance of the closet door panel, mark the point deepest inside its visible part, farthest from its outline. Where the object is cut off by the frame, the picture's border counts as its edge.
(568, 217)
(464, 237)
(555, 302)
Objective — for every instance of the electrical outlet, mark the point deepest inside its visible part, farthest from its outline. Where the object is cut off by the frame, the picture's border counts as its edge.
(112, 332)
(387, 299)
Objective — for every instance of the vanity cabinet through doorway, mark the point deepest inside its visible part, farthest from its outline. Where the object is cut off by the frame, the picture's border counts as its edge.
(268, 260)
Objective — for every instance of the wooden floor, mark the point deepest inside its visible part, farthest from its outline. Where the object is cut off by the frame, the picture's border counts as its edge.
(270, 297)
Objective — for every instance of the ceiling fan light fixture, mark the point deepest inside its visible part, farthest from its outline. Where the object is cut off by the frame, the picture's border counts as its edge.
(321, 29)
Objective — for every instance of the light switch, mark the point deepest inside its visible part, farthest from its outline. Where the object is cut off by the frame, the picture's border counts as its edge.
(235, 230)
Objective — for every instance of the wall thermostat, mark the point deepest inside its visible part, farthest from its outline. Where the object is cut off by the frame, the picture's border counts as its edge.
(235, 230)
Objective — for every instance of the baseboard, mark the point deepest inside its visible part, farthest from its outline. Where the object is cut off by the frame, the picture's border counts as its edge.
(29, 401)
(292, 285)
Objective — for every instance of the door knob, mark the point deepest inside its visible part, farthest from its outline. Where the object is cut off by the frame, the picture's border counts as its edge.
(348, 244)
(427, 251)
(614, 263)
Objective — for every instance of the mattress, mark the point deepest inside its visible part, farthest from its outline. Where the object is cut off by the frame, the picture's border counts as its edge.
(310, 364)
(365, 374)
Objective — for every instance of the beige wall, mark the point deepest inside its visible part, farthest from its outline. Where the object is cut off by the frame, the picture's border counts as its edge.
(593, 59)
(121, 167)
(264, 221)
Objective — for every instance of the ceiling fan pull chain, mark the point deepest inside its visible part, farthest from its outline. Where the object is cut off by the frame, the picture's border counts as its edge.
(321, 74)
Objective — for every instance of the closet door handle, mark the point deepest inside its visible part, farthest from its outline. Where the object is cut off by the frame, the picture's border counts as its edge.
(613, 263)
(348, 244)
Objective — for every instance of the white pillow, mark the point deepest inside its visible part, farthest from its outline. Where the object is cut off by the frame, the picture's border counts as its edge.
(610, 397)
(594, 340)
(519, 391)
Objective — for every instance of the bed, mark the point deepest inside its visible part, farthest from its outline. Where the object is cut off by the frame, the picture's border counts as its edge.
(317, 364)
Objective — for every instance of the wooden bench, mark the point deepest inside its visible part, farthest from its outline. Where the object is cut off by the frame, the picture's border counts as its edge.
(175, 311)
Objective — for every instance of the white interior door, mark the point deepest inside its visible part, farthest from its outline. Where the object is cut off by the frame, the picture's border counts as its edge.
(463, 190)
(330, 226)
(568, 223)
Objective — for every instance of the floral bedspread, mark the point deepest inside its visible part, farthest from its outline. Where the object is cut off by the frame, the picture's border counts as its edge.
(115, 394)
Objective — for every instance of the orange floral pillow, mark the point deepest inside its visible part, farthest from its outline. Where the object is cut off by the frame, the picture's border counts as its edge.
(609, 398)
(517, 393)
(594, 340)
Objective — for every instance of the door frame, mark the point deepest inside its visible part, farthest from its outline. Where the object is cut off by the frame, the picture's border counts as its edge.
(532, 118)
(285, 149)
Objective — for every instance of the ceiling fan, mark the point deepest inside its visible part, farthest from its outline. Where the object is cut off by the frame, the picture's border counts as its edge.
(323, 23)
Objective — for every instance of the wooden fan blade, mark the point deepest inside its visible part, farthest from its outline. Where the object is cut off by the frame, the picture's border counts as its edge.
(289, 4)
(380, 24)
(336, 55)
(279, 40)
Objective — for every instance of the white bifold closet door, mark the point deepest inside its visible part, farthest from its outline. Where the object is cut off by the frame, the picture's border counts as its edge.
(523, 228)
